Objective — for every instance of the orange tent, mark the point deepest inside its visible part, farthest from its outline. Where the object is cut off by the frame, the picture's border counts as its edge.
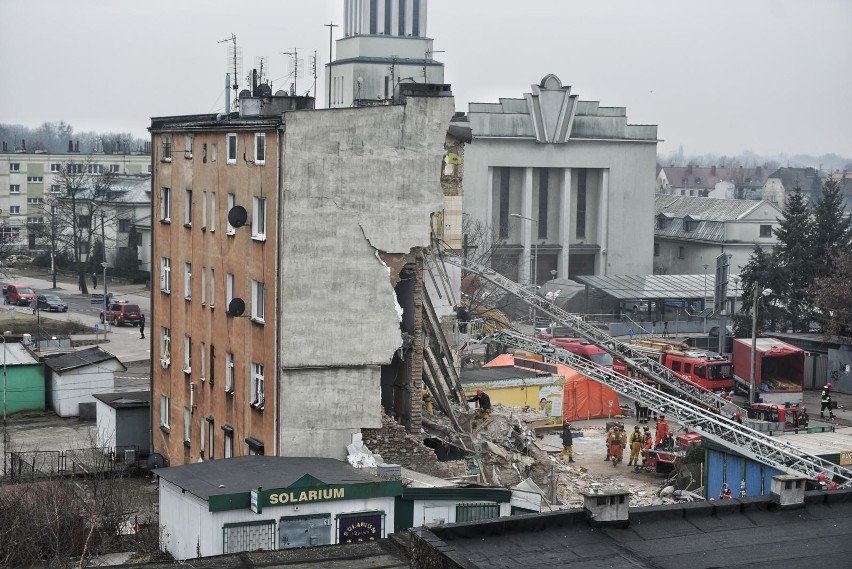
(583, 398)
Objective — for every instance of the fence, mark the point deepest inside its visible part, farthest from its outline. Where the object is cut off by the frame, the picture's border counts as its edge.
(30, 465)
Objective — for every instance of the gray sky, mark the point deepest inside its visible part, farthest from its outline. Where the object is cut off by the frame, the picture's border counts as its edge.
(721, 76)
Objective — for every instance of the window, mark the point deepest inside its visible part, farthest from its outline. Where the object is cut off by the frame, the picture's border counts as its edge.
(229, 372)
(84, 221)
(473, 512)
(187, 208)
(114, 168)
(187, 281)
(504, 202)
(212, 288)
(204, 153)
(165, 204)
(260, 148)
(164, 412)
(229, 288)
(258, 301)
(675, 366)
(14, 188)
(766, 231)
(187, 354)
(212, 364)
(14, 166)
(213, 211)
(656, 249)
(55, 188)
(203, 286)
(35, 201)
(214, 154)
(203, 210)
(201, 424)
(690, 224)
(257, 386)
(165, 274)
(687, 367)
(187, 146)
(202, 362)
(232, 148)
(229, 441)
(14, 209)
(663, 222)
(166, 144)
(255, 447)
(681, 253)
(35, 219)
(582, 175)
(124, 225)
(543, 180)
(95, 168)
(187, 424)
(258, 219)
(211, 439)
(73, 168)
(231, 201)
(165, 343)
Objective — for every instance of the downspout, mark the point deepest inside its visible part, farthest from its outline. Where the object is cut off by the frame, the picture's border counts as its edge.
(280, 202)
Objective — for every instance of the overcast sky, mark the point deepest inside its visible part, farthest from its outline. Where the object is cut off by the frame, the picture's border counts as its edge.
(721, 76)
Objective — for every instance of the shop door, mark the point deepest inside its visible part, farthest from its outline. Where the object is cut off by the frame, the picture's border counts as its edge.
(304, 531)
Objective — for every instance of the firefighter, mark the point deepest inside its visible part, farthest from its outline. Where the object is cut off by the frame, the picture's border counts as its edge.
(825, 400)
(662, 431)
(610, 436)
(647, 443)
(567, 442)
(622, 442)
(803, 418)
(643, 412)
(725, 494)
(483, 403)
(635, 445)
(738, 417)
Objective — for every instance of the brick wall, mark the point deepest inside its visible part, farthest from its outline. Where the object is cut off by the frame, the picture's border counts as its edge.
(398, 447)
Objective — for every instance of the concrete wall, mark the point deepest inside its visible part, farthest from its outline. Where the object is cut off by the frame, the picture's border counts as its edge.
(79, 386)
(696, 255)
(358, 184)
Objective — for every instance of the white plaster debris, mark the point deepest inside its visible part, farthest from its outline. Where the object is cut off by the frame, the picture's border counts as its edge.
(393, 293)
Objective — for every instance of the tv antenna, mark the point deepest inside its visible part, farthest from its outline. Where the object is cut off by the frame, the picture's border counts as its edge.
(261, 63)
(314, 65)
(234, 62)
(296, 68)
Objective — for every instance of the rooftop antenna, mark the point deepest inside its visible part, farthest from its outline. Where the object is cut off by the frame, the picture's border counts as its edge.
(330, 26)
(314, 62)
(297, 67)
(261, 63)
(235, 59)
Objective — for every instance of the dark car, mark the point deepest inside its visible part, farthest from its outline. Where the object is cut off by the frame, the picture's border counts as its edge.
(120, 313)
(52, 303)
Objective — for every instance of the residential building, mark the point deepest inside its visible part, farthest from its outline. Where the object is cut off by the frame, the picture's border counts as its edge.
(786, 180)
(384, 43)
(285, 245)
(723, 183)
(566, 179)
(690, 232)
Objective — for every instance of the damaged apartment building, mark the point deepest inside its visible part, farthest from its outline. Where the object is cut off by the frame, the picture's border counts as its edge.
(287, 248)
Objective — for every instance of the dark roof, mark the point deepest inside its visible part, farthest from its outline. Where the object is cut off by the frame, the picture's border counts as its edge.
(747, 532)
(80, 358)
(806, 178)
(638, 287)
(227, 476)
(478, 374)
(125, 400)
(710, 215)
(213, 122)
(708, 177)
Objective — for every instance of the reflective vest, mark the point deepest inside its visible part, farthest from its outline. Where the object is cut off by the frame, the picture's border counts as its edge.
(826, 396)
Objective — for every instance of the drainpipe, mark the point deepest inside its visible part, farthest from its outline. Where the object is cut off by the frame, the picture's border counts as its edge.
(277, 292)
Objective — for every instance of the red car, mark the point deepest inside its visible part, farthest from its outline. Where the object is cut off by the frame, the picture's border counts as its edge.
(120, 313)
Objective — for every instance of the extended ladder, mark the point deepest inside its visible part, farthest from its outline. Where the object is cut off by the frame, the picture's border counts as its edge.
(628, 354)
(715, 427)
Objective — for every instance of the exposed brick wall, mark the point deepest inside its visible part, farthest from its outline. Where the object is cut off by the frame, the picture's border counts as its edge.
(399, 447)
(415, 384)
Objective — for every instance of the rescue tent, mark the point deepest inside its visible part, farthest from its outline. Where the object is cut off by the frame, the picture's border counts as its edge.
(582, 398)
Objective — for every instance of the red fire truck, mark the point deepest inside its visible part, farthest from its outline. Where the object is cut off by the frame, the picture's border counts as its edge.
(706, 369)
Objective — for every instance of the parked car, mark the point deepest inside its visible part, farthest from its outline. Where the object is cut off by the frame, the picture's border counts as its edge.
(120, 313)
(52, 303)
(19, 294)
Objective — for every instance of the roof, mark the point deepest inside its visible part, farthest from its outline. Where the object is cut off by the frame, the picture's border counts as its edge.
(767, 345)
(125, 400)
(135, 190)
(637, 287)
(708, 177)
(806, 178)
(17, 355)
(480, 374)
(710, 215)
(746, 532)
(80, 358)
(228, 476)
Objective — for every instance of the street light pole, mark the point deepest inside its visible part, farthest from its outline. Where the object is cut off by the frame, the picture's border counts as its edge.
(104, 265)
(534, 276)
(751, 383)
(704, 300)
(5, 429)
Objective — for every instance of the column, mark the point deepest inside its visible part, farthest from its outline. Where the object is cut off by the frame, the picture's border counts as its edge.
(366, 14)
(423, 19)
(603, 221)
(409, 17)
(380, 17)
(525, 262)
(395, 17)
(347, 7)
(564, 224)
(489, 200)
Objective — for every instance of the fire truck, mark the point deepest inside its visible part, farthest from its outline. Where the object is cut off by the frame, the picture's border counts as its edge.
(705, 369)
(582, 348)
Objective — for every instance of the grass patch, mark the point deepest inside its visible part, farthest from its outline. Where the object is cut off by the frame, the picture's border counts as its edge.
(26, 323)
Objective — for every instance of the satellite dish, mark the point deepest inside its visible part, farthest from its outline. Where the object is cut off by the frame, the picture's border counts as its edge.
(236, 307)
(280, 93)
(245, 93)
(155, 461)
(264, 90)
(237, 216)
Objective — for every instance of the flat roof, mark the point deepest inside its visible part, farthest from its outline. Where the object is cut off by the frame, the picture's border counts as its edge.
(820, 444)
(17, 355)
(125, 400)
(650, 287)
(479, 374)
(245, 473)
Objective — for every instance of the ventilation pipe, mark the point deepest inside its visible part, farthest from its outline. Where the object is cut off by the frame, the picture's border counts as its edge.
(227, 93)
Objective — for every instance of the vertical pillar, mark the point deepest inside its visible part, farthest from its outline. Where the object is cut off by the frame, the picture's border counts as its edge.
(409, 17)
(489, 201)
(603, 221)
(366, 14)
(525, 263)
(395, 17)
(564, 224)
(380, 17)
(423, 19)
(347, 7)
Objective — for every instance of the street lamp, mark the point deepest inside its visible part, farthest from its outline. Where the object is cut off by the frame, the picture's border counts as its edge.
(104, 265)
(752, 385)
(534, 276)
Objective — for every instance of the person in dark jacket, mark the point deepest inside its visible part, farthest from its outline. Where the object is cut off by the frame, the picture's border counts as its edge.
(483, 403)
(825, 401)
(141, 326)
(567, 442)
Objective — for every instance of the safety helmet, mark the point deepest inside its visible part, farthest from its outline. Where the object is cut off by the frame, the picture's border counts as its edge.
(828, 385)
(821, 477)
(646, 428)
(636, 428)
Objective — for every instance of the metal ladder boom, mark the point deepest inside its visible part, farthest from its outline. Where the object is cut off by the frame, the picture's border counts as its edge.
(715, 427)
(634, 358)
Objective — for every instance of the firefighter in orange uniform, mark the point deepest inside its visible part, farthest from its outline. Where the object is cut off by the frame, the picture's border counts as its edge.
(662, 431)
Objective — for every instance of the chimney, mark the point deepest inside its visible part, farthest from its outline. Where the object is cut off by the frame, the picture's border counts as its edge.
(77, 146)
(788, 490)
(254, 82)
(23, 144)
(606, 507)
(713, 171)
(70, 146)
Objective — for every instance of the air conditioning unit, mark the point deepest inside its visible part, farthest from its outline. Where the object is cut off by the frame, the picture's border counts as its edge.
(165, 362)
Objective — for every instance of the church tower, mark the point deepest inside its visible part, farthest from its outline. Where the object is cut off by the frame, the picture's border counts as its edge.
(384, 43)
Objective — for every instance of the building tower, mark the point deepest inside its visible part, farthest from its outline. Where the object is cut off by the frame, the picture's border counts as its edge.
(384, 44)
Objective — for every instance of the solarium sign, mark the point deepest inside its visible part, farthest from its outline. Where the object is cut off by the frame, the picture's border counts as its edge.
(300, 496)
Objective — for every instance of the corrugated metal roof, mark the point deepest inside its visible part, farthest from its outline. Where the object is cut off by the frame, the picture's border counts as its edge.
(17, 354)
(710, 209)
(79, 359)
(635, 287)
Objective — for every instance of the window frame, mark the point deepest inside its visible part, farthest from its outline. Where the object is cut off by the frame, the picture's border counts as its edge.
(165, 275)
(187, 146)
(258, 218)
(14, 188)
(212, 288)
(187, 208)
(213, 212)
(203, 286)
(681, 252)
(165, 205)
(165, 343)
(230, 283)
(165, 412)
(187, 354)
(165, 148)
(187, 281)
(260, 148)
(202, 365)
(187, 425)
(232, 201)
(231, 144)
(258, 386)
(768, 232)
(258, 301)
(230, 372)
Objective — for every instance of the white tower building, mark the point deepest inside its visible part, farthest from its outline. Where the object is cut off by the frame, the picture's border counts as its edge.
(384, 43)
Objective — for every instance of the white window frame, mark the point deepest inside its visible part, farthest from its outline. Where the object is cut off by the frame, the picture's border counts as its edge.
(38, 179)
(187, 424)
(165, 343)
(214, 153)
(164, 411)
(213, 212)
(229, 372)
(201, 437)
(229, 444)
(187, 281)
(230, 229)
(165, 204)
(165, 275)
(212, 288)
(258, 301)
(258, 219)
(166, 147)
(187, 146)
(203, 286)
(229, 288)
(187, 208)
(14, 166)
(14, 209)
(260, 148)
(115, 168)
(258, 386)
(14, 188)
(211, 436)
(232, 156)
(187, 354)
(55, 188)
(202, 366)
(203, 210)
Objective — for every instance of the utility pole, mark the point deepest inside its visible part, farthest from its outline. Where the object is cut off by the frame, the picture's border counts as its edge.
(331, 25)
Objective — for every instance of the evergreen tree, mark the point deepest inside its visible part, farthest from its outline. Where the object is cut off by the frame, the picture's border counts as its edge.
(834, 296)
(762, 273)
(794, 255)
(831, 232)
